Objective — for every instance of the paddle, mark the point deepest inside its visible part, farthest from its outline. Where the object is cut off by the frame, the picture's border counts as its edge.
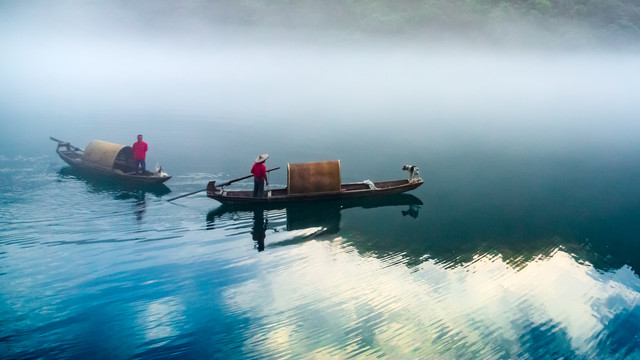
(221, 185)
(64, 142)
(242, 178)
(181, 196)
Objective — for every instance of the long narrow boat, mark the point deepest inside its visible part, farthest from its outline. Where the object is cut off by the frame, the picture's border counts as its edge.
(301, 209)
(108, 160)
(317, 181)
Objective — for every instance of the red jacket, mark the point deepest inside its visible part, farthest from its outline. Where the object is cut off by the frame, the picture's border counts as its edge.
(140, 150)
(259, 170)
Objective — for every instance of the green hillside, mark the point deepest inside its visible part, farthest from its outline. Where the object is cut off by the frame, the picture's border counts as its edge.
(589, 21)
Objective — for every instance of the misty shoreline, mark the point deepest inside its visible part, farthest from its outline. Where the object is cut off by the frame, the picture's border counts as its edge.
(540, 25)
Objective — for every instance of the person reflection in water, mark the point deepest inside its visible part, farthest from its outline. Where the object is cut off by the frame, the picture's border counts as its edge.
(258, 232)
(140, 207)
(259, 171)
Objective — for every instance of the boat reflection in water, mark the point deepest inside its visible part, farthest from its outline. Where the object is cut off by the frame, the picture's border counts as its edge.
(119, 190)
(319, 218)
(100, 184)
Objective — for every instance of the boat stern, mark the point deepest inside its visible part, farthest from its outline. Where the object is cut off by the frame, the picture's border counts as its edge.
(211, 189)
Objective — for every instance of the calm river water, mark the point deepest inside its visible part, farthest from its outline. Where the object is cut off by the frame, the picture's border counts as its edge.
(523, 241)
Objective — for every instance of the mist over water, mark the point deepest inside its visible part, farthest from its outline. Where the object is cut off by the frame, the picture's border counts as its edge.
(521, 242)
(78, 60)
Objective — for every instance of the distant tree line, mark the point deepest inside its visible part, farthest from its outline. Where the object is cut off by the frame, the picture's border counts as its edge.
(600, 20)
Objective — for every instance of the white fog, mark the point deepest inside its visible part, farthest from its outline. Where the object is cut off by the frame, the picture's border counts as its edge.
(85, 58)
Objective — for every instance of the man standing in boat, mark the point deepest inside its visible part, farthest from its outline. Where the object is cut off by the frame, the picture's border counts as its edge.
(139, 154)
(259, 171)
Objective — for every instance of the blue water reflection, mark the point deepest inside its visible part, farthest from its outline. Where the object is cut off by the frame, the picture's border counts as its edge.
(310, 219)
(95, 270)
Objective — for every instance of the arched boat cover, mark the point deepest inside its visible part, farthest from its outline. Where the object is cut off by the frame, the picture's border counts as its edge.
(104, 153)
(314, 177)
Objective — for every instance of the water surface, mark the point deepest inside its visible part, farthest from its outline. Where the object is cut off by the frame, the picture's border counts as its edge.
(522, 242)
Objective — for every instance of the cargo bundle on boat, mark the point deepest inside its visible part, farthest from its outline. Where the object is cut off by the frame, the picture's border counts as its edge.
(106, 159)
(317, 181)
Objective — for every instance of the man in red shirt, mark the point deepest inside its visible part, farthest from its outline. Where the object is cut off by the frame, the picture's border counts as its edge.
(259, 172)
(140, 153)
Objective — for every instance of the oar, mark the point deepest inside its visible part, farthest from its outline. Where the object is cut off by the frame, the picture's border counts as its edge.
(242, 178)
(191, 193)
(221, 185)
(64, 142)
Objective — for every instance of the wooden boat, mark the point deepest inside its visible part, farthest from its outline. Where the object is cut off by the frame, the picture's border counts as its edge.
(301, 208)
(317, 181)
(108, 160)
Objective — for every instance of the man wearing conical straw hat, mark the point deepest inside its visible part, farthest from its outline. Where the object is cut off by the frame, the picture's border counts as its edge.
(259, 171)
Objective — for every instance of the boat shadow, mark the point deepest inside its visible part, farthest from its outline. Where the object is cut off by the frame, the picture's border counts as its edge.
(99, 184)
(323, 216)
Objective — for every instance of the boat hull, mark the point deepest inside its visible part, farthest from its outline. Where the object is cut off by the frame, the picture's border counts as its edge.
(74, 160)
(281, 196)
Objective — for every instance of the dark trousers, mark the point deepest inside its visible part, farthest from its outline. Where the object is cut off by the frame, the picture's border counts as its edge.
(258, 187)
(141, 163)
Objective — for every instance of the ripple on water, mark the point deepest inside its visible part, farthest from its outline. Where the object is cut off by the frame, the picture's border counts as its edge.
(89, 271)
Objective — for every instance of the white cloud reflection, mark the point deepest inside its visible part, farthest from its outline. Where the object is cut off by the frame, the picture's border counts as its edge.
(161, 320)
(483, 310)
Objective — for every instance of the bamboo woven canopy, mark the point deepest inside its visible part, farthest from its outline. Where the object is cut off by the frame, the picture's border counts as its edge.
(314, 177)
(105, 153)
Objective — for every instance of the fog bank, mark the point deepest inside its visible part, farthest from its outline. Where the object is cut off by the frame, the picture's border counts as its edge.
(68, 59)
